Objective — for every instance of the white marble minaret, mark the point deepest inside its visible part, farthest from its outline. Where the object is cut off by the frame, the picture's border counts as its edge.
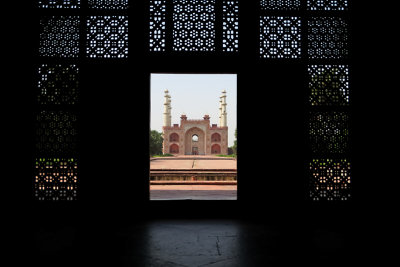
(222, 110)
(167, 109)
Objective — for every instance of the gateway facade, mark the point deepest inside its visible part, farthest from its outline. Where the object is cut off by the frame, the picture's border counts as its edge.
(195, 137)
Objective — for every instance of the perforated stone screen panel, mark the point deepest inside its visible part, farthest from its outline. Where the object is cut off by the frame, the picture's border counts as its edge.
(330, 179)
(59, 36)
(230, 26)
(56, 179)
(327, 5)
(157, 25)
(280, 4)
(194, 25)
(329, 85)
(107, 37)
(56, 132)
(280, 37)
(58, 84)
(108, 4)
(327, 38)
(59, 3)
(329, 132)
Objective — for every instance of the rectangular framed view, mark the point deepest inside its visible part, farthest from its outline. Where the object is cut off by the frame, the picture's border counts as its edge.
(193, 134)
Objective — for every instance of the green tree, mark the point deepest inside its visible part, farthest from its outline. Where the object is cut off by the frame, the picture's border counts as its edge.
(326, 88)
(234, 147)
(156, 141)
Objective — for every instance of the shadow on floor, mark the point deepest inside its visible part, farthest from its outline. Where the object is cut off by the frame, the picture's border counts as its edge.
(191, 243)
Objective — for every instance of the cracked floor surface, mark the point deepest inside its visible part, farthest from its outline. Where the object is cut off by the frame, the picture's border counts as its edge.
(190, 243)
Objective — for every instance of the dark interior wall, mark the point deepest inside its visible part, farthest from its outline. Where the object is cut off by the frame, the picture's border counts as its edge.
(113, 125)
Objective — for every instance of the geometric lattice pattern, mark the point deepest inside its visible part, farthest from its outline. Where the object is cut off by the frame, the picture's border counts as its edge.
(330, 179)
(327, 38)
(280, 37)
(327, 5)
(58, 84)
(59, 36)
(230, 26)
(107, 37)
(55, 179)
(329, 85)
(59, 3)
(157, 25)
(194, 25)
(56, 133)
(108, 4)
(280, 4)
(329, 132)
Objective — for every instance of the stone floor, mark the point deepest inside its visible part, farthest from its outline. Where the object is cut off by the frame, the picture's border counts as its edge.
(193, 192)
(194, 243)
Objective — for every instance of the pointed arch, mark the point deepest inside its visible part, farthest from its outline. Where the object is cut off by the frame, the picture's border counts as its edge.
(215, 137)
(215, 149)
(174, 149)
(174, 137)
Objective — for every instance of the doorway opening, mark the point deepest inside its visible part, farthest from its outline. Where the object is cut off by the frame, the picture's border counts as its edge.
(193, 154)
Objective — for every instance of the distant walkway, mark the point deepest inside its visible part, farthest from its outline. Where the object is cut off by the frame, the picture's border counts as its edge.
(193, 192)
(169, 173)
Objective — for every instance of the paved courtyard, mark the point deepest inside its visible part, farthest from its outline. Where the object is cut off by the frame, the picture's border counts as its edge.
(195, 191)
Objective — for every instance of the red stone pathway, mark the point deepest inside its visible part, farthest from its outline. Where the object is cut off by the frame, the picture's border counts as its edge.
(193, 192)
(193, 164)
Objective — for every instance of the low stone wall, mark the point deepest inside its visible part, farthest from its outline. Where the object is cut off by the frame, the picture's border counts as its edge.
(193, 177)
(198, 168)
(193, 182)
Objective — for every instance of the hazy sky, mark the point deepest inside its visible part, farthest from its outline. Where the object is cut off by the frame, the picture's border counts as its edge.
(194, 95)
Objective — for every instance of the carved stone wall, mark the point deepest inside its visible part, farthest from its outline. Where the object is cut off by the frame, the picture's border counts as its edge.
(185, 132)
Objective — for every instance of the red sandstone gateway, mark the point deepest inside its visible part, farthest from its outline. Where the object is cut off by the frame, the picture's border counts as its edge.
(195, 137)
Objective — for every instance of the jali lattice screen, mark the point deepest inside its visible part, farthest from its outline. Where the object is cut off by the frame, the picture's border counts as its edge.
(330, 179)
(230, 26)
(59, 36)
(329, 132)
(107, 37)
(56, 133)
(59, 3)
(157, 25)
(327, 38)
(329, 85)
(194, 25)
(280, 37)
(108, 4)
(58, 84)
(327, 5)
(280, 4)
(55, 178)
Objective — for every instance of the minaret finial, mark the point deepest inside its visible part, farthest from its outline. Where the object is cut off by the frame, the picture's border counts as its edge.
(223, 119)
(167, 109)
